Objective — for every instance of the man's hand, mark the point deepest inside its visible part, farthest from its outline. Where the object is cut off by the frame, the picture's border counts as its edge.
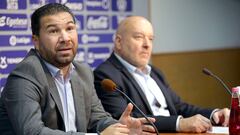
(221, 117)
(116, 129)
(136, 125)
(147, 129)
(195, 124)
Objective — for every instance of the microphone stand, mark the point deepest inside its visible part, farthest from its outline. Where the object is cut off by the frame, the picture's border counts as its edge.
(139, 110)
(208, 72)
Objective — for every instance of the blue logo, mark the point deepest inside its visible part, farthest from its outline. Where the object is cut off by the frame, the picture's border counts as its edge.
(96, 38)
(16, 40)
(34, 4)
(97, 22)
(116, 19)
(75, 5)
(10, 22)
(122, 5)
(81, 55)
(9, 60)
(97, 5)
(96, 56)
(13, 4)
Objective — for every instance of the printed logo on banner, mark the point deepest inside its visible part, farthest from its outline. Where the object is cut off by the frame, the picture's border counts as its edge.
(15, 40)
(96, 56)
(34, 4)
(13, 4)
(10, 22)
(76, 5)
(9, 59)
(97, 22)
(79, 22)
(96, 38)
(122, 5)
(80, 56)
(97, 5)
(116, 19)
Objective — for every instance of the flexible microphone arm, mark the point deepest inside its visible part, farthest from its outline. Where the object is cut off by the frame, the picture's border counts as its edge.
(155, 128)
(108, 84)
(208, 72)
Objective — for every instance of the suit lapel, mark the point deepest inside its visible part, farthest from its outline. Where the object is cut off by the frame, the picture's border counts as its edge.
(53, 89)
(122, 69)
(77, 89)
(54, 92)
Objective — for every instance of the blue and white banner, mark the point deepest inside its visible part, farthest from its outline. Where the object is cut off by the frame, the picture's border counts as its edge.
(96, 21)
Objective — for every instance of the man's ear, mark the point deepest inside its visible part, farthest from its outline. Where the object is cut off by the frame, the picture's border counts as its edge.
(35, 40)
(117, 42)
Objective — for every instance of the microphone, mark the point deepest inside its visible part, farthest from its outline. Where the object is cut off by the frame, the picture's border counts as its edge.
(109, 85)
(208, 72)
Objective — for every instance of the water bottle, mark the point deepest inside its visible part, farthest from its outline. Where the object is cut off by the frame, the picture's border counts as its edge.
(234, 120)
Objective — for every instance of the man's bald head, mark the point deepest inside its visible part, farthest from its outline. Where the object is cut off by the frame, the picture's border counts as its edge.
(129, 23)
(133, 41)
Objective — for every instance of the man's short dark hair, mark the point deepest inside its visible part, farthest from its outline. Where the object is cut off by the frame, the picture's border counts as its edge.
(48, 9)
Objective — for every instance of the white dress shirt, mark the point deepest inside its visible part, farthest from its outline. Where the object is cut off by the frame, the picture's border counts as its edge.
(151, 90)
(149, 87)
(66, 95)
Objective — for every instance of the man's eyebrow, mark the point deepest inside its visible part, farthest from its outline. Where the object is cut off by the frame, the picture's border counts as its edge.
(51, 25)
(55, 25)
(70, 22)
(137, 33)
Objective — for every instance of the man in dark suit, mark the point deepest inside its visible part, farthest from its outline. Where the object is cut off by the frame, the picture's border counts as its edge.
(128, 67)
(50, 94)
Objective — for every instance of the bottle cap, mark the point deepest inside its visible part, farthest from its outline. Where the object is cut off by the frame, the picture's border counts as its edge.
(236, 89)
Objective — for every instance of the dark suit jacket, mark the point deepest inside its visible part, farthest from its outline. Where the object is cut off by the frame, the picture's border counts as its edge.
(115, 102)
(30, 103)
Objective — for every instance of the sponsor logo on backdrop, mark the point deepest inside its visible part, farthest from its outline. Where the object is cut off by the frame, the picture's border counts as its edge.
(97, 22)
(76, 5)
(3, 62)
(9, 59)
(87, 38)
(97, 5)
(15, 40)
(95, 56)
(116, 19)
(122, 5)
(80, 56)
(96, 38)
(13, 4)
(10, 22)
(34, 4)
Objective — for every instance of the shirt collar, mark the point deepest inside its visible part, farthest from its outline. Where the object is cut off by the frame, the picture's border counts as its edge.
(132, 68)
(56, 71)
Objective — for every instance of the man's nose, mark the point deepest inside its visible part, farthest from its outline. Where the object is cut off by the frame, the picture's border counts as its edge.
(147, 42)
(64, 37)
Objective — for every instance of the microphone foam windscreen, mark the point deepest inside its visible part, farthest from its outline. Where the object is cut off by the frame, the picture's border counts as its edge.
(108, 85)
(206, 71)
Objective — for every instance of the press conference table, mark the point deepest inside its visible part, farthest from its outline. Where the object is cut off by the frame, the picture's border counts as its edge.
(191, 134)
(215, 131)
